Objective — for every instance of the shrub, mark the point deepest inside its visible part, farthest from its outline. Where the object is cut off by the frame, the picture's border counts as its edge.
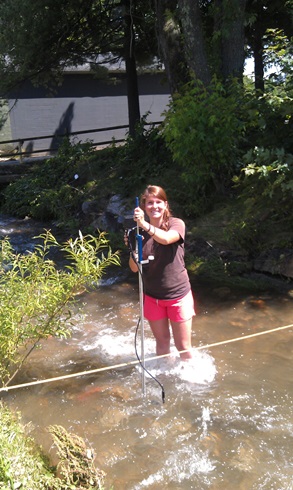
(267, 179)
(36, 298)
(268, 120)
(202, 131)
(265, 194)
(52, 189)
(23, 465)
(144, 160)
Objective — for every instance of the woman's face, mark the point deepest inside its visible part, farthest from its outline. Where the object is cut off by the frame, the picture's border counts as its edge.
(155, 207)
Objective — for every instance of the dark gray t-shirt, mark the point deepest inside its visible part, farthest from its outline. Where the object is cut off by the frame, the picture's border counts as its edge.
(166, 277)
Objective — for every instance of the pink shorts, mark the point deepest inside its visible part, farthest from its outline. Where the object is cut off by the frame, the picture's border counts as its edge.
(177, 310)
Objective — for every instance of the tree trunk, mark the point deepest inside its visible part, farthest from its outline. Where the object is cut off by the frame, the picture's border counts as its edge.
(132, 94)
(229, 22)
(257, 47)
(194, 44)
(170, 45)
(258, 64)
(131, 73)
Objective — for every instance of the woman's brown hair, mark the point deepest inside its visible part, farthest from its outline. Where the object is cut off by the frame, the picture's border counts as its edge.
(159, 193)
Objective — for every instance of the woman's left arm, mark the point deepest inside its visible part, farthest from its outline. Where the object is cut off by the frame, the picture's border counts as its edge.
(164, 237)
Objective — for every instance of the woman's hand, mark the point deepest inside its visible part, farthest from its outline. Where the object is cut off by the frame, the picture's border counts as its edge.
(138, 217)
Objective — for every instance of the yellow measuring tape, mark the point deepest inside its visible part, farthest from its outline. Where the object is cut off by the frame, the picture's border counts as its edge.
(131, 363)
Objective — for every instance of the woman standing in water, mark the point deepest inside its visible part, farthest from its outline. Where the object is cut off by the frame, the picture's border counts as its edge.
(168, 296)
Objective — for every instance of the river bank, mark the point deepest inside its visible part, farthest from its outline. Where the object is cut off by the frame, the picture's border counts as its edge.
(214, 254)
(242, 238)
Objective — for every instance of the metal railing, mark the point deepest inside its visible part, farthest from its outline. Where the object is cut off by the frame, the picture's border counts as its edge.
(20, 141)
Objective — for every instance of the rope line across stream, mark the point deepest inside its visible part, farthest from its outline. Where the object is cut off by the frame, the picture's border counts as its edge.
(131, 363)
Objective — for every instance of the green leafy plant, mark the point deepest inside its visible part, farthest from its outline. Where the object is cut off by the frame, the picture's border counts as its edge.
(24, 466)
(278, 55)
(52, 189)
(267, 179)
(202, 130)
(144, 159)
(21, 464)
(265, 193)
(36, 297)
(268, 120)
(76, 463)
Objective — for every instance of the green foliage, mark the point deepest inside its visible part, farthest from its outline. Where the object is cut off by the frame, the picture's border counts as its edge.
(265, 188)
(36, 298)
(3, 118)
(37, 40)
(202, 131)
(76, 460)
(278, 54)
(144, 159)
(49, 191)
(247, 233)
(268, 179)
(268, 119)
(268, 116)
(52, 190)
(23, 466)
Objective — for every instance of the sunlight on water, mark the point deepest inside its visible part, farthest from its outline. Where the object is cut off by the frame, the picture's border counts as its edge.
(109, 344)
(200, 369)
(227, 421)
(184, 462)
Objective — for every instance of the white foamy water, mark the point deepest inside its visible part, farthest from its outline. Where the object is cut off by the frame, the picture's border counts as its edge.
(226, 422)
(112, 345)
(200, 369)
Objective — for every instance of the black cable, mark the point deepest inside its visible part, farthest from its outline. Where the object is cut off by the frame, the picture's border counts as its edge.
(129, 232)
(143, 367)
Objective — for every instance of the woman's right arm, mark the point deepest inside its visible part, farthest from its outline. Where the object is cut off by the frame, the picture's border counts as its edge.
(132, 264)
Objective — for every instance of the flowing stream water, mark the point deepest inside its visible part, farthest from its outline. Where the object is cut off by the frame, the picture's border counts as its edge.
(227, 420)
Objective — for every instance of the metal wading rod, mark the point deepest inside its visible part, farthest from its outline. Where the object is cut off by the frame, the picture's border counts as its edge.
(141, 310)
(132, 363)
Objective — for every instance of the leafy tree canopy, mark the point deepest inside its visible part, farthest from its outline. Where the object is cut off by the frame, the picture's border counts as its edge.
(38, 39)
